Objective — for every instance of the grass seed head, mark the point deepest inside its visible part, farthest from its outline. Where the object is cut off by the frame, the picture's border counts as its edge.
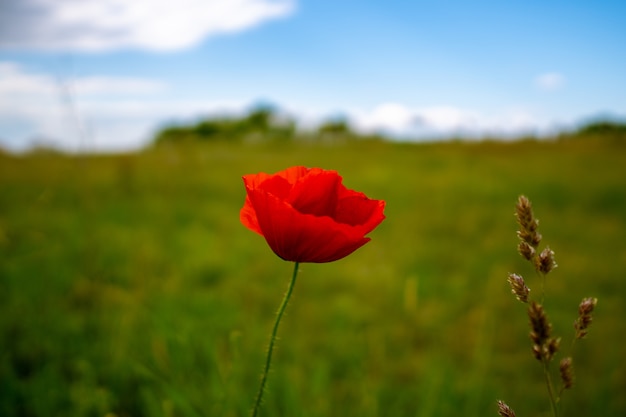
(504, 410)
(540, 331)
(518, 287)
(566, 370)
(527, 222)
(545, 261)
(584, 316)
(552, 347)
(526, 250)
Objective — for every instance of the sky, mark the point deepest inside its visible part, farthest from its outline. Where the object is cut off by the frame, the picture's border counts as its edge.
(105, 75)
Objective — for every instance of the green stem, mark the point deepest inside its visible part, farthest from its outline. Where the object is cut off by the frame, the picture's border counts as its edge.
(545, 363)
(553, 399)
(270, 348)
(541, 275)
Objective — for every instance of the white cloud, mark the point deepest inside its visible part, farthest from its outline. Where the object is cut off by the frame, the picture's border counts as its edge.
(15, 81)
(99, 113)
(37, 106)
(550, 81)
(399, 119)
(96, 25)
(390, 116)
(116, 85)
(442, 121)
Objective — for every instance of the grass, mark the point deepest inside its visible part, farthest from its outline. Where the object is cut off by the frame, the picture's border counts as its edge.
(128, 287)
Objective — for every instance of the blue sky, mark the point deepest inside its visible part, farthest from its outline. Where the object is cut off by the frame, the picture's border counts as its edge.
(106, 74)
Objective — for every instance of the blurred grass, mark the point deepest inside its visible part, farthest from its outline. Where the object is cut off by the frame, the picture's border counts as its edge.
(128, 286)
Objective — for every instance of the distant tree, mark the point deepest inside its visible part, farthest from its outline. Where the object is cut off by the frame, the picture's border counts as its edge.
(172, 134)
(209, 129)
(266, 123)
(603, 128)
(261, 124)
(259, 119)
(335, 130)
(599, 130)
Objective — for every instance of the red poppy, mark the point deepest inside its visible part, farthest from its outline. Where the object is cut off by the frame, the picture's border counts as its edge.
(308, 215)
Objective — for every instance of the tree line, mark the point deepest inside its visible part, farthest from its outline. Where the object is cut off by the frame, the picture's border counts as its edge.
(261, 124)
(265, 124)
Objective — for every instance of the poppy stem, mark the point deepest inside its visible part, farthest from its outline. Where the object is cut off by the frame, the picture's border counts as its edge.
(270, 348)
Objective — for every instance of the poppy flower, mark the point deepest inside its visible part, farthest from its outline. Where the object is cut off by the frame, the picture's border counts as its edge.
(308, 215)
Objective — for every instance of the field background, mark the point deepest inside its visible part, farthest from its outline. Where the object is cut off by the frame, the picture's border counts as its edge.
(128, 286)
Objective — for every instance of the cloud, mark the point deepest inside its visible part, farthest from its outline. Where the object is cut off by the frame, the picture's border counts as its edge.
(395, 118)
(116, 85)
(441, 121)
(15, 81)
(103, 113)
(550, 81)
(36, 106)
(99, 25)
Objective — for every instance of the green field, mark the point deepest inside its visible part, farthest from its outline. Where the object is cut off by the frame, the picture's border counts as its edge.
(128, 286)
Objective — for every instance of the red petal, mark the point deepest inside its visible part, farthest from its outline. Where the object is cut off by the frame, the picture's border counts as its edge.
(293, 174)
(308, 215)
(247, 215)
(302, 237)
(355, 208)
(279, 184)
(316, 193)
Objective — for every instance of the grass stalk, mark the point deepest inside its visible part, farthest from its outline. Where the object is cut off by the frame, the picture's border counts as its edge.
(270, 349)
